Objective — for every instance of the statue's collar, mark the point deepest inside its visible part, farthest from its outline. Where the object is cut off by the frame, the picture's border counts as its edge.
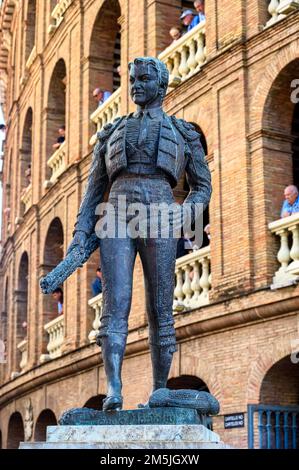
(151, 112)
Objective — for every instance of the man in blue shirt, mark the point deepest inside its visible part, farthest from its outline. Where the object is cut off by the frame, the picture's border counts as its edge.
(96, 285)
(291, 203)
(189, 19)
(199, 6)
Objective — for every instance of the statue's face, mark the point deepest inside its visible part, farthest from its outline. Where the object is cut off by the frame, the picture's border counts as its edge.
(144, 85)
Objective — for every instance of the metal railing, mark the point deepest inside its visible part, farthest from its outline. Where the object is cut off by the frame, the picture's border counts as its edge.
(273, 427)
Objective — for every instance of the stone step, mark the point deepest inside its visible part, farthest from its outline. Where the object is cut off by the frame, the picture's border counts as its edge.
(125, 445)
(131, 433)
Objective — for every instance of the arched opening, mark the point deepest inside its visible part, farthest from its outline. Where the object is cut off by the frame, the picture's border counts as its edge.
(275, 420)
(22, 303)
(56, 111)
(105, 51)
(53, 254)
(7, 195)
(45, 419)
(15, 433)
(4, 332)
(189, 382)
(95, 403)
(280, 128)
(280, 385)
(4, 314)
(26, 154)
(30, 28)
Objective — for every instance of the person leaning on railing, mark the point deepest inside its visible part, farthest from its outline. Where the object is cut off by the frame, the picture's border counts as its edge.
(190, 19)
(291, 203)
(60, 138)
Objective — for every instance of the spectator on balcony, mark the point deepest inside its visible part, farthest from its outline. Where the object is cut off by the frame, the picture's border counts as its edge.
(199, 6)
(60, 138)
(58, 297)
(291, 203)
(188, 19)
(207, 231)
(96, 285)
(101, 96)
(175, 34)
(25, 326)
(184, 247)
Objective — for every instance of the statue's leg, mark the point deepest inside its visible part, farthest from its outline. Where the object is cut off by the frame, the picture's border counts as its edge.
(158, 259)
(117, 263)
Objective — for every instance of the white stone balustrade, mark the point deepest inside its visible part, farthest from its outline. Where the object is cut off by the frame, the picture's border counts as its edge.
(287, 229)
(279, 9)
(55, 330)
(57, 14)
(193, 280)
(57, 162)
(96, 304)
(26, 197)
(185, 56)
(106, 113)
(23, 348)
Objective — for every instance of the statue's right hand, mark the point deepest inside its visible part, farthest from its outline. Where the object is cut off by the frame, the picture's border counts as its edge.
(79, 240)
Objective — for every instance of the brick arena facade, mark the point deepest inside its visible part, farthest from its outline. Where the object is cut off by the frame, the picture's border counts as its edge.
(240, 90)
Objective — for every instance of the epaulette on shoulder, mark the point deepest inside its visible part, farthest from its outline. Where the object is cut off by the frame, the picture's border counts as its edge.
(187, 129)
(107, 130)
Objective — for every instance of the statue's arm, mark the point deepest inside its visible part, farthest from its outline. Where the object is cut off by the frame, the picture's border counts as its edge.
(94, 192)
(198, 174)
(85, 242)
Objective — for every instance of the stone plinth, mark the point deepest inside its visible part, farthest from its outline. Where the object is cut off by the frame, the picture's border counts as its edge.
(129, 437)
(146, 428)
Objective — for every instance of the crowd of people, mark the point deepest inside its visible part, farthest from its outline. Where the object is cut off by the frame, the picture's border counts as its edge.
(189, 20)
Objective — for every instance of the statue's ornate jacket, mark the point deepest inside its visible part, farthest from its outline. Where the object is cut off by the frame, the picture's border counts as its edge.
(179, 149)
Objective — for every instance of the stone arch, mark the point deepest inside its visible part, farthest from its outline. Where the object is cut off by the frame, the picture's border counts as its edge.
(193, 367)
(5, 313)
(95, 402)
(26, 153)
(262, 364)
(280, 385)
(189, 382)
(22, 296)
(265, 82)
(56, 108)
(46, 418)
(52, 255)
(30, 28)
(104, 50)
(278, 135)
(15, 433)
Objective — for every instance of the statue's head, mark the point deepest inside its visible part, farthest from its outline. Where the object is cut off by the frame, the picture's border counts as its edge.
(148, 81)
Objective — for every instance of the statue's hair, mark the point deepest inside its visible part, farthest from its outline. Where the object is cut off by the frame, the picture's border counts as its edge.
(158, 65)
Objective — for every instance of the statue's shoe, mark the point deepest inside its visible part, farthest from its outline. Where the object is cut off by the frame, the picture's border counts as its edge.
(113, 403)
